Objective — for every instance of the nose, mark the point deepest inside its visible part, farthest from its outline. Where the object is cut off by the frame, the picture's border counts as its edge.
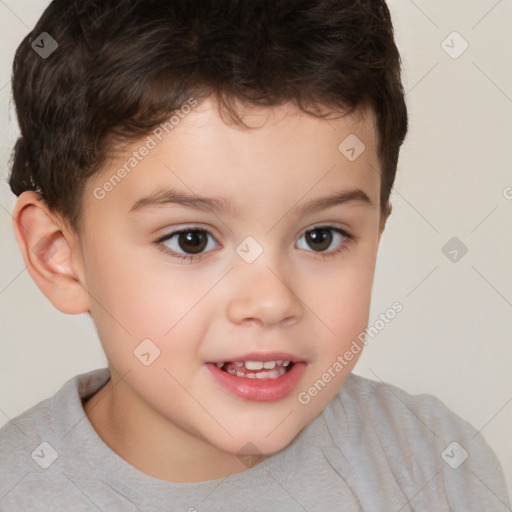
(263, 296)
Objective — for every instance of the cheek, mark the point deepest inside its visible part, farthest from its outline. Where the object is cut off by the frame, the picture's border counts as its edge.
(343, 312)
(341, 299)
(134, 301)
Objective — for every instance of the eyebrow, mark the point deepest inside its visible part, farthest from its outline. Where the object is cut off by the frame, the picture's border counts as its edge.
(163, 197)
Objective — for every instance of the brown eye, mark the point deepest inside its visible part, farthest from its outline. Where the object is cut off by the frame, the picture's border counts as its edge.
(187, 243)
(192, 241)
(319, 238)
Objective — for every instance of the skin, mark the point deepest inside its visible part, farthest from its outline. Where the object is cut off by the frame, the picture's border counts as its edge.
(170, 419)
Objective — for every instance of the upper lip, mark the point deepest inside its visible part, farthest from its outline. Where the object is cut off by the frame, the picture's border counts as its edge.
(261, 356)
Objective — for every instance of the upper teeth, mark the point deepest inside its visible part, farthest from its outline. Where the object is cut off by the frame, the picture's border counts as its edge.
(258, 365)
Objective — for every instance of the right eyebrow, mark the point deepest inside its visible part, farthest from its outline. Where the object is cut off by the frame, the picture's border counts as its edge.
(168, 196)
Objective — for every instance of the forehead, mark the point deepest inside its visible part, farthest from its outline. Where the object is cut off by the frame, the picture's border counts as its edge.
(284, 155)
(270, 127)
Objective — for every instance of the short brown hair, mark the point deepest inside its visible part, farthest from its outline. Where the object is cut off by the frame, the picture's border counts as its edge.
(123, 66)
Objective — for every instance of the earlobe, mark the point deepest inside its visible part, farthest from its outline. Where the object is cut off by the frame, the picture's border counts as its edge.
(48, 254)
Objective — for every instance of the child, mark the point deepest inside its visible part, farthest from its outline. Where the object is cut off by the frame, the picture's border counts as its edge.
(178, 162)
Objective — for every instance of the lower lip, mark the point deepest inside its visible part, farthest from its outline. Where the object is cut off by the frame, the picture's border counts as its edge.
(259, 390)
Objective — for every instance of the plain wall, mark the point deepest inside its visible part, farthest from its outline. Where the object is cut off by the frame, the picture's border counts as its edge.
(452, 339)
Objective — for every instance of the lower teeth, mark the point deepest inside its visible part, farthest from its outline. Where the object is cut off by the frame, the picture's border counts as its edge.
(273, 374)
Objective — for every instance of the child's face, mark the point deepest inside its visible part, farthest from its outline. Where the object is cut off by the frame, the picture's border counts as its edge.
(258, 283)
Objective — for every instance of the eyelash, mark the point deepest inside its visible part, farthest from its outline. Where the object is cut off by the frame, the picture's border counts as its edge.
(345, 245)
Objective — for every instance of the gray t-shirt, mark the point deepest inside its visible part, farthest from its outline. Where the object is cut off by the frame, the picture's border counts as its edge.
(373, 448)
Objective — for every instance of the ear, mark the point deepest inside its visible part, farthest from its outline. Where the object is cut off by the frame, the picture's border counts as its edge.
(383, 219)
(51, 253)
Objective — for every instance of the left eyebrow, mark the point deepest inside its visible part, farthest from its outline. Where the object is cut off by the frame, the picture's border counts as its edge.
(164, 197)
(344, 196)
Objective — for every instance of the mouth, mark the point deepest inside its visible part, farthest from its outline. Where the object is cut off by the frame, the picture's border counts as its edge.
(258, 377)
(257, 369)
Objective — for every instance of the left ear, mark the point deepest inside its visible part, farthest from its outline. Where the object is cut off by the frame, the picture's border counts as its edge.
(383, 218)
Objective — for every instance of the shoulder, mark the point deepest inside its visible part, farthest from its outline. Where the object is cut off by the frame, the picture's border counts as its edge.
(34, 445)
(24, 454)
(416, 423)
(19, 436)
(392, 407)
(419, 441)
(52, 416)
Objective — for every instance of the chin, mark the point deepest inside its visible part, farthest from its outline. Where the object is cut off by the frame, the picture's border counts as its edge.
(255, 443)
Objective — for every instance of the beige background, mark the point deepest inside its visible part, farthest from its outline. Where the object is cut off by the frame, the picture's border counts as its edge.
(452, 338)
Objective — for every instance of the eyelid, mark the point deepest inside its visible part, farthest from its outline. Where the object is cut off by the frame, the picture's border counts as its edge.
(208, 229)
(183, 258)
(319, 225)
(186, 227)
(349, 239)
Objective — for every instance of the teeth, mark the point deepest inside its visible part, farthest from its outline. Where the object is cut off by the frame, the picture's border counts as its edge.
(254, 365)
(258, 365)
(270, 375)
(260, 375)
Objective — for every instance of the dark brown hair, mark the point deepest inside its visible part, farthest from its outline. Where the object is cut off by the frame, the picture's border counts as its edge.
(123, 66)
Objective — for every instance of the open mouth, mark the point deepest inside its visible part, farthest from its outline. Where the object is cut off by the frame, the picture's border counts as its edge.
(256, 369)
(257, 380)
